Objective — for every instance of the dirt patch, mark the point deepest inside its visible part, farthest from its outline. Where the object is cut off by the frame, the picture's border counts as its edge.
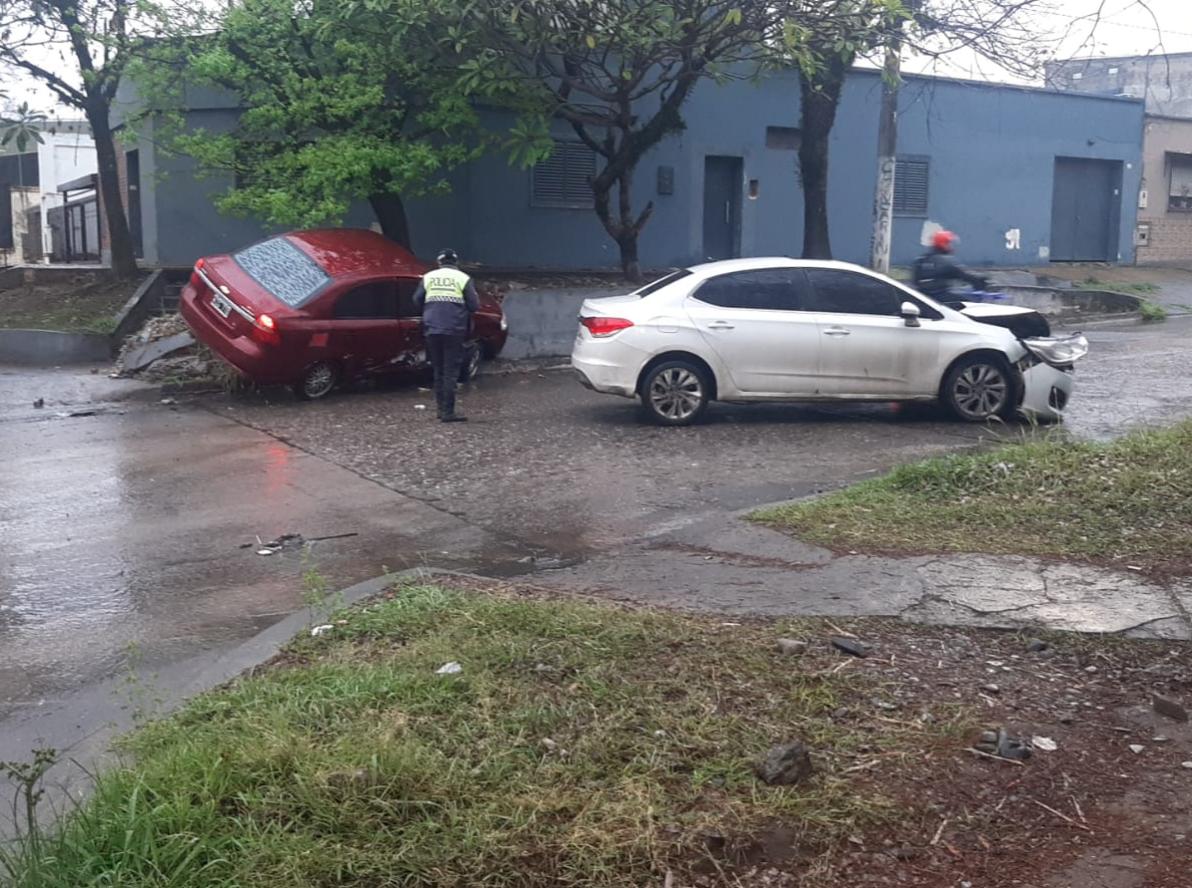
(87, 303)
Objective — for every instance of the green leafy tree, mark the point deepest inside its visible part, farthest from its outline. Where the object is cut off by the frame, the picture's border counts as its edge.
(619, 73)
(80, 49)
(341, 101)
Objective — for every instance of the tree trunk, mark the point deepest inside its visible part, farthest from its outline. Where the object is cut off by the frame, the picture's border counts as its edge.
(391, 215)
(124, 258)
(630, 265)
(820, 100)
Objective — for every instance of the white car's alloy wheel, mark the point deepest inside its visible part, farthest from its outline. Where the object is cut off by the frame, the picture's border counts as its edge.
(675, 393)
(979, 390)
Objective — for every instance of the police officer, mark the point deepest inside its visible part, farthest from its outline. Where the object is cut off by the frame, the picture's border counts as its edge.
(936, 270)
(447, 299)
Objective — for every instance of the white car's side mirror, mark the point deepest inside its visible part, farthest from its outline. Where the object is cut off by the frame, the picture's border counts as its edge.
(910, 313)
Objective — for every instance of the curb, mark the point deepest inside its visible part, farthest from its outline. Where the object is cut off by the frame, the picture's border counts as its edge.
(52, 348)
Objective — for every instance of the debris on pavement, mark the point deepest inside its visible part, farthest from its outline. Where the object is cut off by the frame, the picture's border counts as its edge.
(998, 743)
(1169, 708)
(850, 646)
(320, 630)
(1037, 645)
(1046, 744)
(1137, 748)
(451, 668)
(39, 403)
(142, 355)
(791, 646)
(785, 765)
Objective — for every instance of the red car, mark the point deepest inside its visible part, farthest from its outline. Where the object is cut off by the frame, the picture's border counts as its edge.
(311, 308)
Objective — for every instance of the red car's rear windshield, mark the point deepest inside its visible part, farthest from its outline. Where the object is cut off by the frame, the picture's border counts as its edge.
(284, 270)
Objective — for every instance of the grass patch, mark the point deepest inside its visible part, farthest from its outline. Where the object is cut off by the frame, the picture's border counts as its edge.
(1126, 500)
(1140, 288)
(581, 745)
(1152, 312)
(86, 305)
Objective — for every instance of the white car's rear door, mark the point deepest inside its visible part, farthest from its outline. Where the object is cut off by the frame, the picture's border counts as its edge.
(755, 323)
(866, 348)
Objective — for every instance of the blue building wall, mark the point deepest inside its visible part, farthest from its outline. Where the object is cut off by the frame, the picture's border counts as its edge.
(992, 152)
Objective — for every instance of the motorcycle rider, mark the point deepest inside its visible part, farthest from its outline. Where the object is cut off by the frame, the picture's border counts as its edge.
(935, 270)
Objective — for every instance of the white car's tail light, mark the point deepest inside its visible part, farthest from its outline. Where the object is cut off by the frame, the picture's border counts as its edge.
(601, 327)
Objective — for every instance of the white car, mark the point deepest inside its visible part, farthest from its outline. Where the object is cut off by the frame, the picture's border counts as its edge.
(748, 330)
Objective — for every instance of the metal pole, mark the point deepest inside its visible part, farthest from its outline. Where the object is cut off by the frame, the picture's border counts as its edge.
(887, 163)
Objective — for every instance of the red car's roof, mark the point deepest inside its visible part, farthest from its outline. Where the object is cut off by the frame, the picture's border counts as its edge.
(344, 252)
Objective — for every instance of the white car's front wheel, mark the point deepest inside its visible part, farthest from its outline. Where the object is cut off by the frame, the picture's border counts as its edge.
(979, 389)
(675, 393)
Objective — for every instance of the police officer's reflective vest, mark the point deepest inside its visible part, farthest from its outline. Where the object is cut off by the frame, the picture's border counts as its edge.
(445, 285)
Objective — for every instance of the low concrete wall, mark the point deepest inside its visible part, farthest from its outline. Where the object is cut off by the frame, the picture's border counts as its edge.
(49, 348)
(1069, 304)
(542, 323)
(139, 306)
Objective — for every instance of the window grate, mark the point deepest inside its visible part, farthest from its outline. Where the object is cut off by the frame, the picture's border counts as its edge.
(563, 180)
(910, 186)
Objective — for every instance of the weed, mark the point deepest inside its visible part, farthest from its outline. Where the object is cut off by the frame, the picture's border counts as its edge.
(25, 854)
(317, 596)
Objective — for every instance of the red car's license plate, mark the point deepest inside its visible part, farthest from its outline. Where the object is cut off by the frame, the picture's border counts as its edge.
(221, 304)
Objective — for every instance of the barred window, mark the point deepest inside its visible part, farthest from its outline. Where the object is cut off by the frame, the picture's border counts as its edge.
(563, 180)
(910, 186)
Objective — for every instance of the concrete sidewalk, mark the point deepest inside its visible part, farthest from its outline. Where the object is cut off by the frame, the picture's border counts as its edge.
(726, 564)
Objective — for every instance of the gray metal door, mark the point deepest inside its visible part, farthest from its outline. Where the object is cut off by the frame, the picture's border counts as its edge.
(723, 181)
(1085, 210)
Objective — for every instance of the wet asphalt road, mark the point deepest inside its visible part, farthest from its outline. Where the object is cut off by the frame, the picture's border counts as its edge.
(121, 532)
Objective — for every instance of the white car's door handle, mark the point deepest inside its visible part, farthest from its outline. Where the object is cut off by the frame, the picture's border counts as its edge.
(720, 325)
(837, 331)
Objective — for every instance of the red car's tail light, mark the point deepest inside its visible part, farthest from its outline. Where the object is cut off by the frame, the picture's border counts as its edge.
(264, 329)
(195, 280)
(605, 326)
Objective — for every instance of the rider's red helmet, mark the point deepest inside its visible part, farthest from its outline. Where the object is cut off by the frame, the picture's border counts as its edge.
(944, 240)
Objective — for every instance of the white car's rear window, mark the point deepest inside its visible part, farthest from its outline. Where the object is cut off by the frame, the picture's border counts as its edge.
(662, 282)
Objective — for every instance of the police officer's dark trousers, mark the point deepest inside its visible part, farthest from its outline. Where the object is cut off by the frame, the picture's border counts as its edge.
(446, 354)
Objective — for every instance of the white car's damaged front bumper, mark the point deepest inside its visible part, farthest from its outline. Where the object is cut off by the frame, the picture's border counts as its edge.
(1048, 375)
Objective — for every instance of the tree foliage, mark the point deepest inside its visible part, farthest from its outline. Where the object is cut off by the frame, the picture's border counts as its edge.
(341, 101)
(619, 72)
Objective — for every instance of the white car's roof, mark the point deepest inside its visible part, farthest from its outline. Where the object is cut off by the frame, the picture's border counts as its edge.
(727, 266)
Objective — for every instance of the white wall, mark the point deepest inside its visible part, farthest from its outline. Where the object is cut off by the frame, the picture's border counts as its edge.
(61, 158)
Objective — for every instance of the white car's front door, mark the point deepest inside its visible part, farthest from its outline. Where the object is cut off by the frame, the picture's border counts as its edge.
(866, 348)
(755, 323)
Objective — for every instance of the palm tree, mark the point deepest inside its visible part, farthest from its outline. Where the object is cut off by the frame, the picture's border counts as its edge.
(23, 128)
(20, 130)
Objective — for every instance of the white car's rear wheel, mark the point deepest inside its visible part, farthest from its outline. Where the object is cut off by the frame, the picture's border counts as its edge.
(675, 393)
(979, 389)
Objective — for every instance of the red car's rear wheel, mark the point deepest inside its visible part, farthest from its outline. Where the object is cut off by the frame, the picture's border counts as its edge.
(318, 381)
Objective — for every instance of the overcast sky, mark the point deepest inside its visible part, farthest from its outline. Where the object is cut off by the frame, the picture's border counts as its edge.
(1078, 28)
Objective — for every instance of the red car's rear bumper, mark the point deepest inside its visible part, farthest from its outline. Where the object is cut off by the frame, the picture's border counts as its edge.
(256, 361)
